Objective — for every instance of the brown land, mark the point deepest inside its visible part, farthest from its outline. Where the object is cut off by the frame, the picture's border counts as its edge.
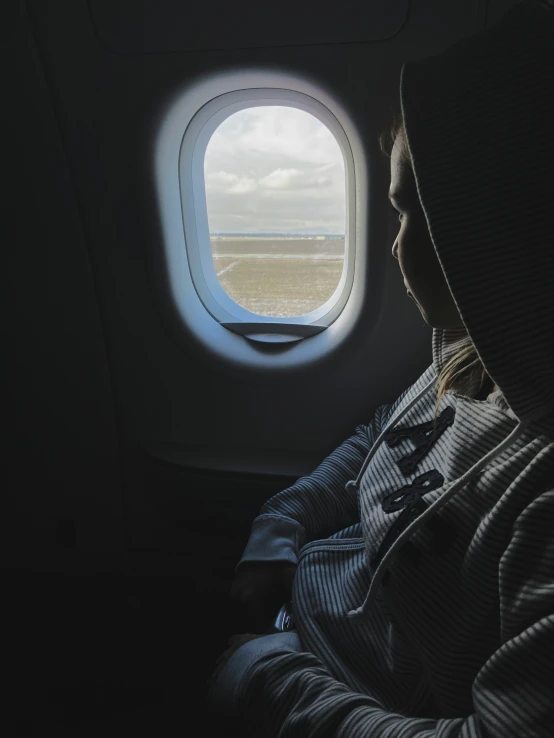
(279, 278)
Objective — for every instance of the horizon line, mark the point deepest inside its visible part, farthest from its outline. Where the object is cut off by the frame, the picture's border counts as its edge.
(268, 233)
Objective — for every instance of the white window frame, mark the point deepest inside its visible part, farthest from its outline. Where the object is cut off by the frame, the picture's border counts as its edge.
(263, 343)
(195, 218)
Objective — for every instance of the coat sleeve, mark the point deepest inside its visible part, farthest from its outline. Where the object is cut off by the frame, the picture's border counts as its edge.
(316, 505)
(291, 694)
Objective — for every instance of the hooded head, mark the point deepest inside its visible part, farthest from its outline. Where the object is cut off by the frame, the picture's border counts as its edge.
(478, 120)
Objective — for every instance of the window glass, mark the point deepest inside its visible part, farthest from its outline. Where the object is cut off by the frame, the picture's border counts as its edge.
(276, 201)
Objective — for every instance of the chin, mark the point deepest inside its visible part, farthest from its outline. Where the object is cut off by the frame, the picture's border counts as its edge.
(434, 321)
(424, 314)
(436, 318)
(442, 325)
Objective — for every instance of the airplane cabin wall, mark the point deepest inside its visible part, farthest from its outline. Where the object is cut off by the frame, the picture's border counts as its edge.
(169, 401)
(66, 491)
(91, 329)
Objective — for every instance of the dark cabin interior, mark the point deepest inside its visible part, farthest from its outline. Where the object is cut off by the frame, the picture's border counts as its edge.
(137, 459)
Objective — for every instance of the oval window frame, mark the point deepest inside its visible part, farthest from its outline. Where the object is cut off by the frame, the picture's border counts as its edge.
(212, 295)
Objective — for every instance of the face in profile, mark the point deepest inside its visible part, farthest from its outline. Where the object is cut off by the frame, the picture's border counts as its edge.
(414, 250)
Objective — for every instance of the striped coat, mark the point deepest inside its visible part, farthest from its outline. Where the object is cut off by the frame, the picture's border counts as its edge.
(457, 637)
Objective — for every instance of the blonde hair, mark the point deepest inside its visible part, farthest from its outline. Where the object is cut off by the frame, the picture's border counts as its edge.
(465, 367)
(461, 372)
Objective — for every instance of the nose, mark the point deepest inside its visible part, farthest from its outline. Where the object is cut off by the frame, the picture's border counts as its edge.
(395, 248)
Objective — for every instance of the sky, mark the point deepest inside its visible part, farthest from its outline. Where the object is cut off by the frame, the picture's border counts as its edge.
(274, 169)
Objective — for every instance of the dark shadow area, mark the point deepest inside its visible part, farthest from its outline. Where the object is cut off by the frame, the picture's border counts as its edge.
(132, 653)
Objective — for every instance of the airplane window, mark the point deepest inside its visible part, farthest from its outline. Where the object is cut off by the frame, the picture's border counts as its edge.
(276, 204)
(267, 211)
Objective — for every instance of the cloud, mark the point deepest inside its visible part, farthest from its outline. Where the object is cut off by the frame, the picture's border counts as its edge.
(229, 183)
(280, 179)
(293, 179)
(274, 168)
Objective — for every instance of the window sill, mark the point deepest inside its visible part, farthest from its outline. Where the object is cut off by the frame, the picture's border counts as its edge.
(274, 332)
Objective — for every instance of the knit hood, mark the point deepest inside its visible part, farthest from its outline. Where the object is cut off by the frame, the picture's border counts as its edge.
(479, 120)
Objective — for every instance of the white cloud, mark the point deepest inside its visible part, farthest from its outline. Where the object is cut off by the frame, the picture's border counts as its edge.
(294, 179)
(280, 179)
(231, 184)
(274, 168)
(220, 179)
(243, 186)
